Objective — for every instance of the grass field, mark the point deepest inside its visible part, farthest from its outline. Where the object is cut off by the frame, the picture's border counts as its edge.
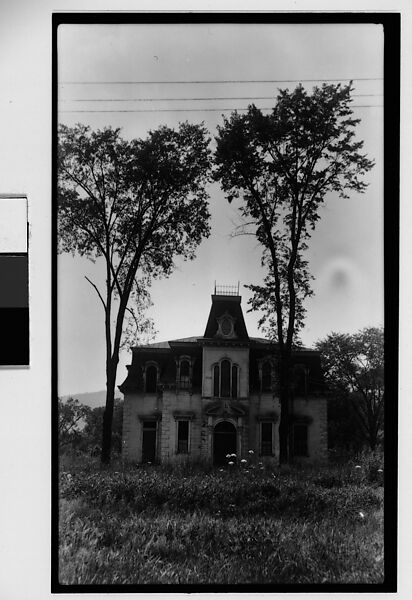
(252, 525)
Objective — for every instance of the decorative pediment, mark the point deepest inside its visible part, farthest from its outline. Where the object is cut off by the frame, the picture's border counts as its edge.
(225, 408)
(154, 416)
(182, 415)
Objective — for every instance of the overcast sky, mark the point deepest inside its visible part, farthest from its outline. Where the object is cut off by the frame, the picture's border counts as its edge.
(346, 249)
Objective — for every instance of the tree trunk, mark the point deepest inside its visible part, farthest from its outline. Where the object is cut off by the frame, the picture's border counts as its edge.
(108, 412)
(111, 372)
(284, 393)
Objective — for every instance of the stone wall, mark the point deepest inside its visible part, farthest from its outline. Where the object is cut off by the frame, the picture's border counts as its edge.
(136, 407)
(171, 404)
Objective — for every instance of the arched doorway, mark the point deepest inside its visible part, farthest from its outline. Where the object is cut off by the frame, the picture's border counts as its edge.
(224, 442)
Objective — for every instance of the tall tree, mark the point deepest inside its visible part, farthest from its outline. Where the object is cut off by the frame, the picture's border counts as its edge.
(354, 369)
(136, 205)
(282, 165)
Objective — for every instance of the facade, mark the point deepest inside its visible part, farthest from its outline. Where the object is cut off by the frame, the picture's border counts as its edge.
(198, 399)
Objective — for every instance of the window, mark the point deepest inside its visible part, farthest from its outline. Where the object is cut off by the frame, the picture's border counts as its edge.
(225, 380)
(266, 439)
(226, 326)
(182, 437)
(216, 380)
(266, 377)
(234, 381)
(149, 441)
(151, 379)
(184, 374)
(300, 440)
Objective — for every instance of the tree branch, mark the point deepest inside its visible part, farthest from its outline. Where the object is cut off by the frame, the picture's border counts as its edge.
(97, 290)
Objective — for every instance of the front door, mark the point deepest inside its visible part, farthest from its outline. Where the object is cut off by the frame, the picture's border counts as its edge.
(149, 441)
(224, 442)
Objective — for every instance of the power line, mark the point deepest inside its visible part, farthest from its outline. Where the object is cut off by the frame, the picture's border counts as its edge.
(150, 110)
(215, 81)
(188, 99)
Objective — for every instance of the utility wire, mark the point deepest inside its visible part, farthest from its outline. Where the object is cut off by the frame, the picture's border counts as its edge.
(150, 110)
(216, 81)
(188, 99)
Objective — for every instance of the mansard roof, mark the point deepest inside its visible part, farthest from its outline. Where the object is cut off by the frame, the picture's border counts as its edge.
(168, 345)
(225, 327)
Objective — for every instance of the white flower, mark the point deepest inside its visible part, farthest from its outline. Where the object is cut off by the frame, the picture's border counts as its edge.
(361, 514)
(380, 470)
(228, 455)
(358, 467)
(251, 452)
(221, 470)
(234, 455)
(243, 460)
(231, 463)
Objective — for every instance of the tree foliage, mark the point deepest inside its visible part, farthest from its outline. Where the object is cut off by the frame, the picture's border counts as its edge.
(72, 416)
(354, 370)
(282, 165)
(138, 328)
(94, 424)
(135, 204)
(80, 426)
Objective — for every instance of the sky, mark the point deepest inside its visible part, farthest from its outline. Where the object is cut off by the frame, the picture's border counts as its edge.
(346, 249)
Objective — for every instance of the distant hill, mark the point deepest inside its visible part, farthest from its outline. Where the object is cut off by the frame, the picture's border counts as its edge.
(92, 399)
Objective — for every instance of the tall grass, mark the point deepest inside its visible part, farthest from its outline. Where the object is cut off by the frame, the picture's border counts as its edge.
(155, 525)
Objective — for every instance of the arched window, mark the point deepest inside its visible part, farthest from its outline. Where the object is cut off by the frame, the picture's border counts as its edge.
(234, 381)
(266, 377)
(151, 379)
(216, 381)
(184, 368)
(184, 374)
(225, 380)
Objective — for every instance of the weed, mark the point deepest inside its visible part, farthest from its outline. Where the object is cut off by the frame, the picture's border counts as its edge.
(158, 525)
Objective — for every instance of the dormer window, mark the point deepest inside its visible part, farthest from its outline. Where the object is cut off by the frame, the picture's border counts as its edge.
(151, 378)
(184, 372)
(266, 374)
(226, 326)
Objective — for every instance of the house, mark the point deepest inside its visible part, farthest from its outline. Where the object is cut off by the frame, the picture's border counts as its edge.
(201, 398)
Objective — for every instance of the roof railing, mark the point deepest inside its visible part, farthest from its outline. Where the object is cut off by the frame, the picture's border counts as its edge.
(227, 290)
